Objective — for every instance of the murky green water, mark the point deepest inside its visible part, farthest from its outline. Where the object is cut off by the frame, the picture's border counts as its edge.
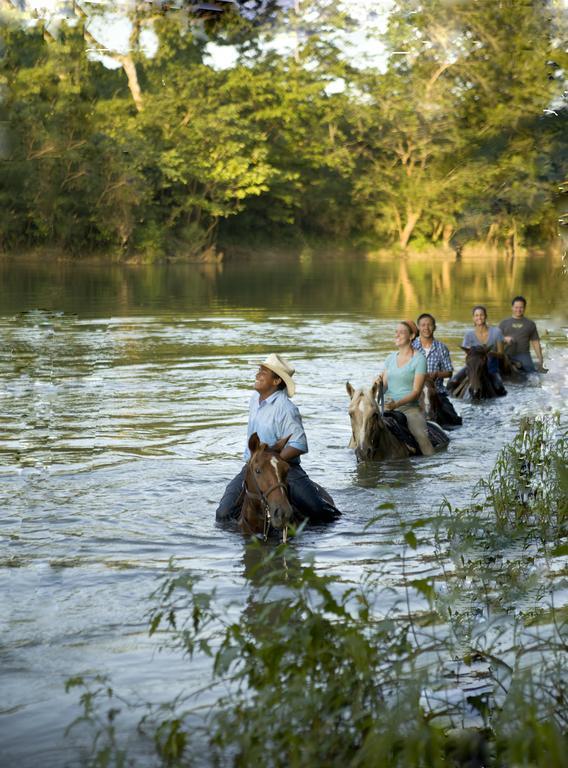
(124, 396)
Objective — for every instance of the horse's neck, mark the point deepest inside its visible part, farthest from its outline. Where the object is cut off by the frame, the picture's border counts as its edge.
(252, 513)
(432, 400)
(252, 516)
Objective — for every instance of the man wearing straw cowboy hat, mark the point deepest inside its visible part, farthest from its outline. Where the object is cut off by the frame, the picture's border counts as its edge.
(272, 415)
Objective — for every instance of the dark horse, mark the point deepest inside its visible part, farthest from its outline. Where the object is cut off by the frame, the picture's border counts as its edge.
(266, 504)
(437, 407)
(475, 380)
(377, 435)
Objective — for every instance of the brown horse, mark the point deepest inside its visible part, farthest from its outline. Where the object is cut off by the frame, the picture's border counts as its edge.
(474, 380)
(371, 436)
(266, 504)
(437, 407)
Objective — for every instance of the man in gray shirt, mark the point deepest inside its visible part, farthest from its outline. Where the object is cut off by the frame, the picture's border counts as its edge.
(519, 333)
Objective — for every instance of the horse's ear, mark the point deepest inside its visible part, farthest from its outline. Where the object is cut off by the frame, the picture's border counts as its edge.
(349, 388)
(374, 390)
(465, 349)
(279, 446)
(254, 442)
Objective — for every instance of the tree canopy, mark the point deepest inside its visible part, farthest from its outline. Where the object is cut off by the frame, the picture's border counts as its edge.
(152, 149)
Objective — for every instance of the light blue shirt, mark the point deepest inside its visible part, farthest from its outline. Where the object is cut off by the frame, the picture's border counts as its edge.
(401, 380)
(494, 337)
(275, 418)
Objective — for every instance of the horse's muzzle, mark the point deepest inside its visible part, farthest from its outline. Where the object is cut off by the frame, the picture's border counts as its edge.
(280, 517)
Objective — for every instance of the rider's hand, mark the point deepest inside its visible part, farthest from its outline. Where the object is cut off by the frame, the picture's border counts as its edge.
(390, 405)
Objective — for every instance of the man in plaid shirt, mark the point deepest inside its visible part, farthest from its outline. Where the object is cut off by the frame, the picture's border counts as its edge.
(439, 365)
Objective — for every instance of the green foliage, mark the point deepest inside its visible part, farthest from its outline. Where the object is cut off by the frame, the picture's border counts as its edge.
(527, 490)
(310, 670)
(455, 134)
(463, 132)
(95, 695)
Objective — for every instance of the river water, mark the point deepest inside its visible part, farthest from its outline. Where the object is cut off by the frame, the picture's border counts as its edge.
(124, 394)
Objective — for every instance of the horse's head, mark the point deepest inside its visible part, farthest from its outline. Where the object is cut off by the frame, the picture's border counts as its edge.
(429, 400)
(266, 480)
(476, 364)
(365, 417)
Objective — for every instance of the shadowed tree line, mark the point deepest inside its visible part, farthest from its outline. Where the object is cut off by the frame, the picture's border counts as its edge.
(459, 138)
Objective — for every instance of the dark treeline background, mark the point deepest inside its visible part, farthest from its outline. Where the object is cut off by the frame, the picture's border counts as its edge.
(461, 136)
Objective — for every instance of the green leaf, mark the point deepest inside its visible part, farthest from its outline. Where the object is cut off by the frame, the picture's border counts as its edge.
(410, 539)
(424, 587)
(155, 623)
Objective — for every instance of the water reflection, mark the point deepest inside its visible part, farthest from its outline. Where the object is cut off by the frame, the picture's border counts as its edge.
(378, 286)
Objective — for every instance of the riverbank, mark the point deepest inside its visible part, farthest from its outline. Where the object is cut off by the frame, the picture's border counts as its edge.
(300, 248)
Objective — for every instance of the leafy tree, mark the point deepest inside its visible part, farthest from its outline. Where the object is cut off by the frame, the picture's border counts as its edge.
(463, 131)
(452, 129)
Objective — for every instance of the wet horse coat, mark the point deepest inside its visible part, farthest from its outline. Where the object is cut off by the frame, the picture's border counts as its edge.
(276, 494)
(371, 436)
(474, 380)
(266, 504)
(438, 408)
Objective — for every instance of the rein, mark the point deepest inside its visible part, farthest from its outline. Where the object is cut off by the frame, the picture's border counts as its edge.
(262, 497)
(381, 398)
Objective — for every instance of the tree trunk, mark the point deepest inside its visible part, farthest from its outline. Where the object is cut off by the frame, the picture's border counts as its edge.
(411, 221)
(511, 241)
(491, 232)
(437, 231)
(130, 69)
(447, 234)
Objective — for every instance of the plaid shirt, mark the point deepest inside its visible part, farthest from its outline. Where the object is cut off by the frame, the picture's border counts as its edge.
(437, 359)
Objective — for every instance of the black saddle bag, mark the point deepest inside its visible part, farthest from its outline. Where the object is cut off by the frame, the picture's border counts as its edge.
(397, 424)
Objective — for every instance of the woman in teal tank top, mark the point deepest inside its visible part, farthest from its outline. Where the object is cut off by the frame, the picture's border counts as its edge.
(403, 380)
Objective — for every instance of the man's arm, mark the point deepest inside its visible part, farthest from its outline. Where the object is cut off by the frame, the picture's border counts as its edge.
(288, 453)
(503, 326)
(290, 423)
(439, 375)
(538, 351)
(447, 367)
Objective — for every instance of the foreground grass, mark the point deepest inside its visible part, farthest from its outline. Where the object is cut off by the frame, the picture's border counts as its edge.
(311, 672)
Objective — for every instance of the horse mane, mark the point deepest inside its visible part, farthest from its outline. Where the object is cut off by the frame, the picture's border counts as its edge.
(376, 427)
(478, 351)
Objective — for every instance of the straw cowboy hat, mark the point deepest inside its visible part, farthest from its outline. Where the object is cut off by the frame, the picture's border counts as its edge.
(281, 368)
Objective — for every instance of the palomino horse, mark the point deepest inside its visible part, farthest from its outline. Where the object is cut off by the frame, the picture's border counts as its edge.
(474, 380)
(266, 504)
(371, 436)
(438, 408)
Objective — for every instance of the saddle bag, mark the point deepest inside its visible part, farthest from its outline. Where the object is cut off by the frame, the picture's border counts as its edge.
(398, 426)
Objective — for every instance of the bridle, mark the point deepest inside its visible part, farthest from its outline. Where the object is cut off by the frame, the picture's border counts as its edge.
(262, 497)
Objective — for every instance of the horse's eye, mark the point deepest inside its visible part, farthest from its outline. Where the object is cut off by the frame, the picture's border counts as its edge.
(257, 470)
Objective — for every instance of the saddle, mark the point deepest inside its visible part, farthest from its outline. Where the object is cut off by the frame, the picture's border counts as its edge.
(398, 427)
